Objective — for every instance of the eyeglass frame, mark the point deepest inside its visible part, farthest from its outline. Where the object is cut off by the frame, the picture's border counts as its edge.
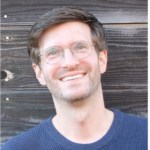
(62, 51)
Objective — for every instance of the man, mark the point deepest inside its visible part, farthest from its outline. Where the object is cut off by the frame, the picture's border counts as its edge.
(69, 53)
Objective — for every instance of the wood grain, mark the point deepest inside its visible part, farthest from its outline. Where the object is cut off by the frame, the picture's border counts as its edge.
(24, 103)
(110, 11)
(127, 62)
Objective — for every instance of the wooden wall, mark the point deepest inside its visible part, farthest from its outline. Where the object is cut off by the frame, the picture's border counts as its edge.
(24, 103)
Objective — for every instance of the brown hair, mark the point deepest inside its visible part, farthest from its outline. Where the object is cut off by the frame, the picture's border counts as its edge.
(61, 15)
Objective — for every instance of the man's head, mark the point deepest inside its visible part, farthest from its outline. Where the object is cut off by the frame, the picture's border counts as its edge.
(61, 15)
(77, 39)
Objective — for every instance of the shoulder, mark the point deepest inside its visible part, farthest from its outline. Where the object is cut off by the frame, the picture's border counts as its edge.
(131, 117)
(133, 120)
(133, 125)
(131, 131)
(26, 139)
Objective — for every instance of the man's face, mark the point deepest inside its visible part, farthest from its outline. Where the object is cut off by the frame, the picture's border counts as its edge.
(71, 78)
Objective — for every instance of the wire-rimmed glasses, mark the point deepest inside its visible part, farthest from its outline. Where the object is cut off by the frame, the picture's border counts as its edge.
(81, 50)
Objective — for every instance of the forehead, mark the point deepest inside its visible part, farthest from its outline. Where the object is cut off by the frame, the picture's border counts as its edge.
(65, 34)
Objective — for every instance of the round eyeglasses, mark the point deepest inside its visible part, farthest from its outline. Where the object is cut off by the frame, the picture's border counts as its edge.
(54, 54)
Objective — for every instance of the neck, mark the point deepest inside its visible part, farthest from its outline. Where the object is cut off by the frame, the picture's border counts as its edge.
(83, 121)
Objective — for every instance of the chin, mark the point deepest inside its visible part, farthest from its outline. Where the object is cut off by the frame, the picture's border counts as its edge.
(74, 97)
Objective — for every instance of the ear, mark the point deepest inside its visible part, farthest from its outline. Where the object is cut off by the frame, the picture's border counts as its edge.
(103, 61)
(39, 74)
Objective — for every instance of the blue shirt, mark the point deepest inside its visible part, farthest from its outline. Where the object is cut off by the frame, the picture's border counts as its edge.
(127, 132)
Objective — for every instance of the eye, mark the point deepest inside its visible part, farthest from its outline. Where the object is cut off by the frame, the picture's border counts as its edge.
(53, 52)
(80, 46)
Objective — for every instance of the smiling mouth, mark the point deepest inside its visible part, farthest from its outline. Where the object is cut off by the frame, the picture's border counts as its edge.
(68, 78)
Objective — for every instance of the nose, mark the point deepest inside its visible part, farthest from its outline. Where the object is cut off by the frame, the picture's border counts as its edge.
(68, 59)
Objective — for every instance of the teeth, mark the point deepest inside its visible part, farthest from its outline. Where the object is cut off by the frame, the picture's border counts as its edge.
(72, 77)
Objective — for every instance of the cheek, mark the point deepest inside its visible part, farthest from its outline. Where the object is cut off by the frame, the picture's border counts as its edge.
(50, 72)
(93, 62)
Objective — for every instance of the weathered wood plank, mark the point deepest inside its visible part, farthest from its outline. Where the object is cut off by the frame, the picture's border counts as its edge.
(20, 112)
(18, 100)
(110, 11)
